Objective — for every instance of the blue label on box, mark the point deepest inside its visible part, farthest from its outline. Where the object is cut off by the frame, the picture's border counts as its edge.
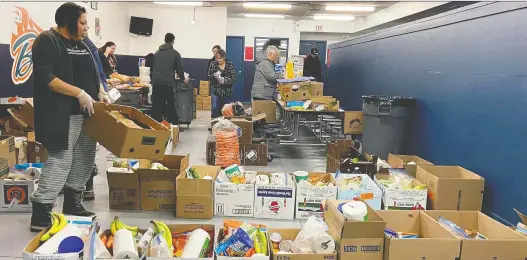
(275, 193)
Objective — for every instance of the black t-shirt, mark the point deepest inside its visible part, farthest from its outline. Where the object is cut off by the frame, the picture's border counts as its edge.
(83, 70)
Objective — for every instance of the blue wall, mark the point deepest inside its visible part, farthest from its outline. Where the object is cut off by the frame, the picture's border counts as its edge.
(468, 69)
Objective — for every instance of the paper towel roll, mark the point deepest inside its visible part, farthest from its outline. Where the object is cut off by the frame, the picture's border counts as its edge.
(324, 244)
(198, 240)
(100, 249)
(124, 245)
(355, 211)
(52, 245)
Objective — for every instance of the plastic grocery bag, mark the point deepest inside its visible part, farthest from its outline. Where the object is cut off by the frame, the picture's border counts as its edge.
(313, 228)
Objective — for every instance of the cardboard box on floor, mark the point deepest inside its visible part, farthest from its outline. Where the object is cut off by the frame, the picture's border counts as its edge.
(254, 257)
(195, 198)
(15, 194)
(158, 187)
(199, 103)
(246, 127)
(267, 107)
(401, 161)
(290, 234)
(274, 201)
(207, 103)
(401, 199)
(434, 242)
(7, 154)
(204, 88)
(123, 140)
(29, 251)
(250, 154)
(36, 153)
(234, 200)
(352, 122)
(355, 239)
(502, 243)
(370, 192)
(451, 187)
(187, 228)
(124, 189)
(310, 199)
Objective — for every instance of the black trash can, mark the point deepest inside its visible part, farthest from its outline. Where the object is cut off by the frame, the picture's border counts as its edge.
(386, 124)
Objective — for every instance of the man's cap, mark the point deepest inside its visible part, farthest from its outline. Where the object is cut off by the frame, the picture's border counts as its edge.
(314, 51)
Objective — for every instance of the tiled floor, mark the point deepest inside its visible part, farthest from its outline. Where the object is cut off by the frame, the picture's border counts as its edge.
(286, 159)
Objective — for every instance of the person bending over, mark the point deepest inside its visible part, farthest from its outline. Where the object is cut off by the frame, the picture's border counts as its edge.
(66, 84)
(222, 75)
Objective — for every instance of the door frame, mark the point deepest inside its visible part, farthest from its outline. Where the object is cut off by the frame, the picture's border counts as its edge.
(243, 56)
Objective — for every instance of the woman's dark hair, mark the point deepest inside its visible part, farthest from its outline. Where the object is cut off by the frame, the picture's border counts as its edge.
(216, 47)
(106, 45)
(222, 53)
(67, 15)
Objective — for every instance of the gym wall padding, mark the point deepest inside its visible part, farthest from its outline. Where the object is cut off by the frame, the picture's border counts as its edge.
(468, 69)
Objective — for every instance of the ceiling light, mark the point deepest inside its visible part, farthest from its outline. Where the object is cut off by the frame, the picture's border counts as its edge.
(334, 17)
(275, 16)
(179, 3)
(266, 6)
(350, 8)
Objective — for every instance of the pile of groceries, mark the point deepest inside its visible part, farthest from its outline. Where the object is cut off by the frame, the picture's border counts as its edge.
(312, 239)
(67, 234)
(314, 179)
(394, 234)
(236, 175)
(458, 231)
(129, 165)
(24, 172)
(399, 179)
(349, 181)
(227, 146)
(276, 178)
(125, 242)
(193, 173)
(242, 240)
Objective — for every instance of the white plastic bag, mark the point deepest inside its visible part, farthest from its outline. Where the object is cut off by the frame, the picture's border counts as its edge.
(304, 241)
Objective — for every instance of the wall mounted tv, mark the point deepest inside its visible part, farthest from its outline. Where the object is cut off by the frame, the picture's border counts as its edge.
(141, 26)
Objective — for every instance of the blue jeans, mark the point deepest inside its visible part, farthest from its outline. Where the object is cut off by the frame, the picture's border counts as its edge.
(217, 105)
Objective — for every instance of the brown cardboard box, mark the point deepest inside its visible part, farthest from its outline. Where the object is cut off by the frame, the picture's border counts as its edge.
(204, 88)
(401, 161)
(328, 103)
(246, 126)
(195, 92)
(290, 234)
(340, 148)
(302, 93)
(434, 242)
(451, 187)
(195, 198)
(187, 228)
(211, 151)
(124, 189)
(158, 187)
(502, 243)
(124, 141)
(36, 153)
(317, 89)
(265, 107)
(7, 154)
(199, 103)
(207, 103)
(24, 114)
(353, 122)
(175, 136)
(254, 154)
(355, 240)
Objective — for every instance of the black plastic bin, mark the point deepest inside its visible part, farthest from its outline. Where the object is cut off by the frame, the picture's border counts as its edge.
(386, 124)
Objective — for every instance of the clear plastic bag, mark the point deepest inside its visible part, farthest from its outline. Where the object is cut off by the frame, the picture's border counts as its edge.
(227, 146)
(305, 239)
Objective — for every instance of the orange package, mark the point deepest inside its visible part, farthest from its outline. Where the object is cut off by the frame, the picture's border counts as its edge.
(231, 224)
(227, 149)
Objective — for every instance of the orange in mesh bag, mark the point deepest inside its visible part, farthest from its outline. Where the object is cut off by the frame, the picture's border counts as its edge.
(227, 147)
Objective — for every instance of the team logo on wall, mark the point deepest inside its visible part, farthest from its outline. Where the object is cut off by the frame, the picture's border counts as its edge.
(21, 45)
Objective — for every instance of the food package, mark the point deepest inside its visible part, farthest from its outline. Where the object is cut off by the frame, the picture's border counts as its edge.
(393, 234)
(129, 123)
(236, 245)
(144, 242)
(454, 228)
(304, 242)
(227, 146)
(400, 180)
(197, 244)
(159, 247)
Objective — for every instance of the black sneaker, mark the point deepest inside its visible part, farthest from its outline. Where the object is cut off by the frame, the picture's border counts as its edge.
(73, 204)
(41, 216)
(89, 194)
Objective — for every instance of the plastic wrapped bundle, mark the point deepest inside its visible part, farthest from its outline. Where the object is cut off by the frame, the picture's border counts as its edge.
(227, 146)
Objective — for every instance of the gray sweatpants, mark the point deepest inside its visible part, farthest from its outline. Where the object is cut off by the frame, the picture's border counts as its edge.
(67, 168)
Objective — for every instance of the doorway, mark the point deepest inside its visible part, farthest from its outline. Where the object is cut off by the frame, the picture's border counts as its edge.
(305, 49)
(235, 48)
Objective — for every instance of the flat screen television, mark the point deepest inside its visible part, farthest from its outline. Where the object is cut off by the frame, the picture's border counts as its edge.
(141, 26)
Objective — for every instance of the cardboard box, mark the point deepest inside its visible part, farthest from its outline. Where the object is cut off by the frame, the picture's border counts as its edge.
(274, 201)
(267, 107)
(290, 234)
(254, 154)
(124, 141)
(187, 228)
(369, 193)
(195, 198)
(434, 242)
(199, 103)
(295, 91)
(401, 161)
(340, 149)
(24, 114)
(15, 194)
(502, 243)
(124, 189)
(355, 240)
(34, 244)
(317, 89)
(175, 136)
(325, 103)
(523, 219)
(246, 127)
(219, 257)
(353, 122)
(210, 152)
(310, 199)
(158, 187)
(234, 200)
(401, 199)
(7, 154)
(451, 187)
(36, 153)
(204, 88)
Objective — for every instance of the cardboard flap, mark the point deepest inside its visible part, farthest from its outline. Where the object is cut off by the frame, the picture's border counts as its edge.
(341, 228)
(395, 161)
(522, 216)
(24, 115)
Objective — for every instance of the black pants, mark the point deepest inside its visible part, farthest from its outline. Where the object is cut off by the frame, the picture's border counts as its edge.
(164, 104)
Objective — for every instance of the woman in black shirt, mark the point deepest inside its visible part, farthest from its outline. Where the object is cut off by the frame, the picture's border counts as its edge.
(108, 60)
(66, 83)
(222, 75)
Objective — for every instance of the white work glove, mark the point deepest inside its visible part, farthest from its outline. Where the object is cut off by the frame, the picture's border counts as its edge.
(217, 74)
(103, 97)
(86, 103)
(221, 80)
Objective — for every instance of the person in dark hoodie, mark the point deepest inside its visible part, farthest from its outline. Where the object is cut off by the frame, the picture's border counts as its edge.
(312, 66)
(167, 62)
(265, 76)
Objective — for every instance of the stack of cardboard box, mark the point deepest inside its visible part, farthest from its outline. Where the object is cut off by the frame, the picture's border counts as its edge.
(204, 100)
